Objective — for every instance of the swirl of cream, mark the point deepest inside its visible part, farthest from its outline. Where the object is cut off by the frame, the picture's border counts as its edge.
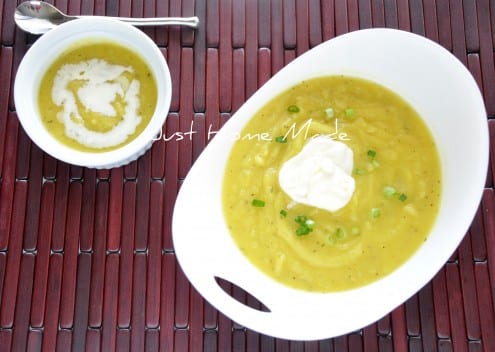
(102, 82)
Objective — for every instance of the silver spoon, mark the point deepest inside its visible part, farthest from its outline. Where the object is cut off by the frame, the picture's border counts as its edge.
(38, 17)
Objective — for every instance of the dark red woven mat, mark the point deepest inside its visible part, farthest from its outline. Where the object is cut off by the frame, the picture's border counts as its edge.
(86, 257)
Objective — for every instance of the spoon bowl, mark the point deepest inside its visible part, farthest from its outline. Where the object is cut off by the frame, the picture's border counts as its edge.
(38, 17)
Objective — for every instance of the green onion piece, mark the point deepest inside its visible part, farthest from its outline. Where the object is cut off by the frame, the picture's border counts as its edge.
(329, 112)
(283, 213)
(375, 163)
(293, 108)
(355, 231)
(389, 192)
(371, 153)
(359, 171)
(375, 213)
(281, 139)
(340, 233)
(402, 197)
(305, 225)
(349, 112)
(258, 203)
(301, 219)
(303, 230)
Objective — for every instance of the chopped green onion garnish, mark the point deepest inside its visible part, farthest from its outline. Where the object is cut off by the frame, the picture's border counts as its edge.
(258, 203)
(293, 108)
(355, 230)
(389, 192)
(375, 163)
(329, 112)
(375, 213)
(349, 112)
(359, 171)
(301, 219)
(303, 230)
(340, 233)
(372, 155)
(283, 213)
(305, 225)
(281, 139)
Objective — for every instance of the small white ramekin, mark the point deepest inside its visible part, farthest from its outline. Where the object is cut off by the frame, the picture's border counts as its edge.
(48, 47)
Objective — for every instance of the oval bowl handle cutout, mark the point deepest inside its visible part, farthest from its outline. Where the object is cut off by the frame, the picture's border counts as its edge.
(241, 295)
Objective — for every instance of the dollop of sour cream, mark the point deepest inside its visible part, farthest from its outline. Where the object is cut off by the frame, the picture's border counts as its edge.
(320, 175)
(103, 82)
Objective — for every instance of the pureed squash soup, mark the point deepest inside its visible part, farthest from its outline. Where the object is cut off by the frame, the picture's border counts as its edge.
(361, 184)
(97, 96)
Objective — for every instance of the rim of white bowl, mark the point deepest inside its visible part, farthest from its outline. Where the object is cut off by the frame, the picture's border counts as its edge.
(36, 61)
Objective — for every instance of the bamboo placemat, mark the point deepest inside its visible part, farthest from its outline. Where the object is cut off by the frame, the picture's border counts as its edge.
(86, 257)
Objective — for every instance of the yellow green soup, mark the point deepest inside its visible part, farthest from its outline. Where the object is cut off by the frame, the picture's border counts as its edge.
(397, 186)
(97, 96)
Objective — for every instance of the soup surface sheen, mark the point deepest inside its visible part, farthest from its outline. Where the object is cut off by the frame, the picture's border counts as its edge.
(97, 96)
(397, 186)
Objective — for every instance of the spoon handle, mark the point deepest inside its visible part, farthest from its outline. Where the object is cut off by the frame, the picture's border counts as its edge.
(191, 22)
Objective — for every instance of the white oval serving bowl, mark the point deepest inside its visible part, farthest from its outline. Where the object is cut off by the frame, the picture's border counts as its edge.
(447, 97)
(48, 47)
